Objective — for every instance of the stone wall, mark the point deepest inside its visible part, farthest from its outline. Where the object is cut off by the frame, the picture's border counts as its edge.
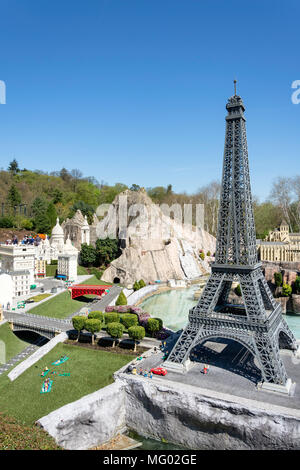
(90, 421)
(193, 420)
(192, 417)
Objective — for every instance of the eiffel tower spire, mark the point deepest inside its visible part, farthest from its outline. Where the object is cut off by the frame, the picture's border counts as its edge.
(257, 324)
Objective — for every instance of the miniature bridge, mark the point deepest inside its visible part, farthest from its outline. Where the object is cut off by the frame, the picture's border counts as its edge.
(78, 290)
(44, 326)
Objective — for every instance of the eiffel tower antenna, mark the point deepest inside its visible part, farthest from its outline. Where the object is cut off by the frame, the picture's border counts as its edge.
(257, 324)
(234, 81)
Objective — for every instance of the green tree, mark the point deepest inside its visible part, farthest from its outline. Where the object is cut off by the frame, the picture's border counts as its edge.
(13, 196)
(98, 315)
(85, 209)
(142, 283)
(135, 187)
(87, 255)
(153, 325)
(121, 300)
(238, 290)
(202, 255)
(286, 290)
(92, 326)
(297, 285)
(78, 324)
(278, 279)
(40, 218)
(137, 333)
(115, 330)
(111, 317)
(13, 167)
(129, 319)
(136, 285)
(107, 250)
(51, 214)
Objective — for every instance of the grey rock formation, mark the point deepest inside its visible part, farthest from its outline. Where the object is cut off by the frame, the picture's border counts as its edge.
(156, 246)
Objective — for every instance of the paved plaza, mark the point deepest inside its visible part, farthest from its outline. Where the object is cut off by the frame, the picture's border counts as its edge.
(232, 371)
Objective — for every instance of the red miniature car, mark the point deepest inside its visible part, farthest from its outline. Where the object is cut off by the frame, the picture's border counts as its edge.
(159, 371)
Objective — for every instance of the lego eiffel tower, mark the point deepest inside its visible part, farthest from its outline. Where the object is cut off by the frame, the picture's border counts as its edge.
(258, 323)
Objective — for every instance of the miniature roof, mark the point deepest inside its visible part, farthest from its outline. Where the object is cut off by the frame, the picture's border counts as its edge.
(57, 230)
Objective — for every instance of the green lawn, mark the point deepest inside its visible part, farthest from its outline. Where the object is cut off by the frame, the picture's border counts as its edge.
(90, 370)
(13, 345)
(61, 306)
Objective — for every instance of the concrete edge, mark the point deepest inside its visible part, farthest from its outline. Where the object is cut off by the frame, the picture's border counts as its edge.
(36, 356)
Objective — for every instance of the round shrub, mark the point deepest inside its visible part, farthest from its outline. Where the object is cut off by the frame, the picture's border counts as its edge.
(115, 330)
(286, 290)
(78, 324)
(129, 320)
(93, 326)
(153, 325)
(208, 253)
(137, 333)
(121, 300)
(202, 256)
(142, 283)
(112, 317)
(160, 322)
(96, 314)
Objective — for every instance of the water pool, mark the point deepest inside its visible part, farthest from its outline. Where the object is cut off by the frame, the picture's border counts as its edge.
(173, 308)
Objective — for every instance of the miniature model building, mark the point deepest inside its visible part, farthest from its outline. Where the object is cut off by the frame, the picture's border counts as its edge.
(258, 324)
(19, 262)
(67, 262)
(280, 245)
(79, 231)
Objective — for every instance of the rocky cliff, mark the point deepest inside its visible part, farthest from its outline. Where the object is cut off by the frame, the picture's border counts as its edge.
(155, 246)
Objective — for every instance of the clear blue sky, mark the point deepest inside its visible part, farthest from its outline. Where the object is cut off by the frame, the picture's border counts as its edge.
(134, 91)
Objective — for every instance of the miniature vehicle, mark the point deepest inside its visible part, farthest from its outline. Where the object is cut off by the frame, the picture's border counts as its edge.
(159, 371)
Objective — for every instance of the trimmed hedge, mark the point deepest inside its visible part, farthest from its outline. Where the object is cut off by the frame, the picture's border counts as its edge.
(112, 317)
(97, 315)
(129, 319)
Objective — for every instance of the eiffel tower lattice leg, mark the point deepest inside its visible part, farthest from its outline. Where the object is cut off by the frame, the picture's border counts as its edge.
(272, 367)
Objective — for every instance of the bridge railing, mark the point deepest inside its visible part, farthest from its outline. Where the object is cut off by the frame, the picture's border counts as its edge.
(9, 313)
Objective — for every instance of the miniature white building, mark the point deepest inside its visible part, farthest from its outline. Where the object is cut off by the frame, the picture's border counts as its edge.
(57, 240)
(18, 260)
(85, 232)
(6, 290)
(67, 262)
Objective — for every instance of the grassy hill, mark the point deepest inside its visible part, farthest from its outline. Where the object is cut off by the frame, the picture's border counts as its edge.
(13, 345)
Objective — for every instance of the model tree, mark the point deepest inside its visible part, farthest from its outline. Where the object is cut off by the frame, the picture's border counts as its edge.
(121, 300)
(78, 324)
(87, 255)
(297, 285)
(96, 315)
(153, 325)
(137, 333)
(93, 326)
(278, 279)
(115, 330)
(286, 290)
